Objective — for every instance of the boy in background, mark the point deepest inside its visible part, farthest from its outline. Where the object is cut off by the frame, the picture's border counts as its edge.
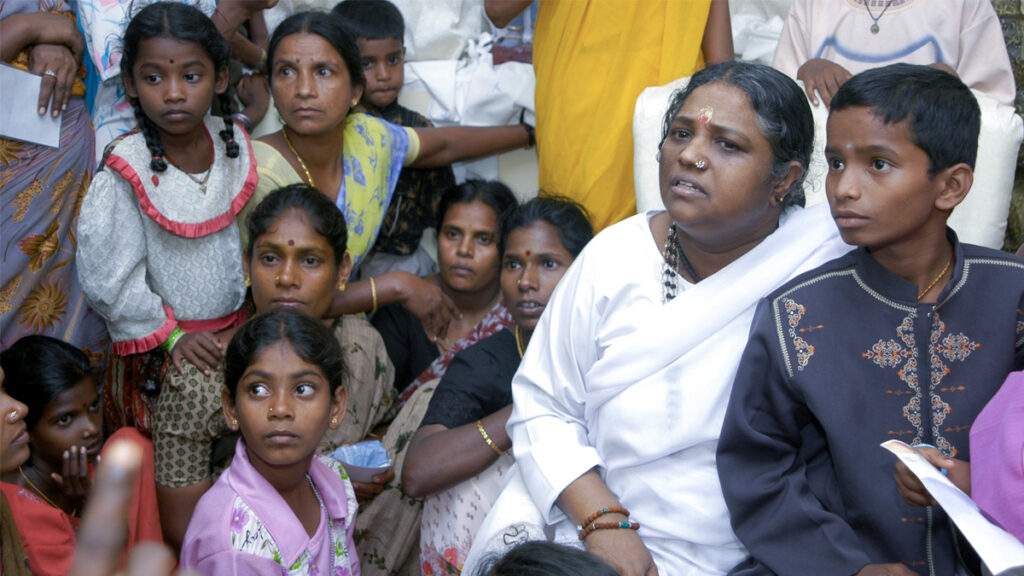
(379, 30)
(906, 337)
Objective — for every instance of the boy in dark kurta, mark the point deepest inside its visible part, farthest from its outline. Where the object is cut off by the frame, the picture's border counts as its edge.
(379, 30)
(906, 337)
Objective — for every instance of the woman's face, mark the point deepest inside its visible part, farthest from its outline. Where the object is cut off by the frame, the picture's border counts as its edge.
(311, 85)
(14, 450)
(716, 168)
(72, 420)
(293, 267)
(467, 249)
(534, 262)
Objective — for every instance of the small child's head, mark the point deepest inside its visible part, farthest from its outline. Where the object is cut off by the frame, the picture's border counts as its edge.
(296, 254)
(307, 46)
(901, 145)
(541, 558)
(380, 31)
(283, 373)
(173, 62)
(54, 380)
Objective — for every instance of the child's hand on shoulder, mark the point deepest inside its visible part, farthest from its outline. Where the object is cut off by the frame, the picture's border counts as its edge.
(823, 76)
(202, 349)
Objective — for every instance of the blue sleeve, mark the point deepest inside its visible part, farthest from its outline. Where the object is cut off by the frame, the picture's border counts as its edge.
(772, 485)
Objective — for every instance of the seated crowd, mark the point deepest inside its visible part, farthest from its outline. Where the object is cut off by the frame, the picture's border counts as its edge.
(203, 336)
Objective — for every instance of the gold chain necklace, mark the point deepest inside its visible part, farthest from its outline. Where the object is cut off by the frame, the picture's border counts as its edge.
(519, 342)
(39, 491)
(937, 278)
(309, 177)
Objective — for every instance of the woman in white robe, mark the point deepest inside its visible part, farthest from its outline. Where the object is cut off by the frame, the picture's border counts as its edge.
(620, 398)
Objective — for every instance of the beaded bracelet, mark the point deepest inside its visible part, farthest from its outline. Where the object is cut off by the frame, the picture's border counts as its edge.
(483, 433)
(607, 526)
(607, 510)
(245, 120)
(172, 340)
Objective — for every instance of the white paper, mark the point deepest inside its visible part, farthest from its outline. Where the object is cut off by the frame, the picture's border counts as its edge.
(19, 116)
(1001, 552)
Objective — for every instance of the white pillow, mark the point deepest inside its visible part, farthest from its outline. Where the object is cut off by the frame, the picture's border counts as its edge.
(979, 219)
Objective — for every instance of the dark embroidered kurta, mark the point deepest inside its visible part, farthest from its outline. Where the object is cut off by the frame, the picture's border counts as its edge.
(839, 360)
(414, 204)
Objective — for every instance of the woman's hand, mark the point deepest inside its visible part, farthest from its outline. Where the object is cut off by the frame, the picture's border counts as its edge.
(202, 349)
(623, 550)
(823, 76)
(53, 28)
(62, 65)
(913, 490)
(254, 94)
(368, 490)
(429, 303)
(74, 478)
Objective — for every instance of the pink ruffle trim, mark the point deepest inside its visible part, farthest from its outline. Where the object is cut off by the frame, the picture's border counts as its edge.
(216, 324)
(147, 343)
(185, 230)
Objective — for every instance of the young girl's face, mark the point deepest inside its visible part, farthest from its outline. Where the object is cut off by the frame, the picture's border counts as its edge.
(72, 420)
(293, 266)
(175, 81)
(283, 405)
(311, 85)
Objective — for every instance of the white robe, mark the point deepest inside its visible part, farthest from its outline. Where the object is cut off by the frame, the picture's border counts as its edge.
(615, 379)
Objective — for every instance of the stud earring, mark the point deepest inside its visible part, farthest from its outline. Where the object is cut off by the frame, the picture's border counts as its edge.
(355, 101)
(234, 423)
(334, 422)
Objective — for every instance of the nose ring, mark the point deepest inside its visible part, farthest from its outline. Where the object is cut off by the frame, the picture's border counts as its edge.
(12, 415)
(700, 164)
(271, 411)
(519, 283)
(277, 278)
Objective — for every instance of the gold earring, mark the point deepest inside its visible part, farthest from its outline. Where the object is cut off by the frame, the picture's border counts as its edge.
(277, 278)
(334, 422)
(234, 423)
(341, 285)
(355, 101)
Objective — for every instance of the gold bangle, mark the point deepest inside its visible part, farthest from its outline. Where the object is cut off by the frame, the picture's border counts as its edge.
(483, 433)
(373, 292)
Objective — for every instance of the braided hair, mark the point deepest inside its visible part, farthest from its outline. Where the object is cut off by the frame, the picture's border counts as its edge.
(185, 23)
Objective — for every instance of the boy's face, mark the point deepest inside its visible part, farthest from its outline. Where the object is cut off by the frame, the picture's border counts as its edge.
(878, 186)
(383, 64)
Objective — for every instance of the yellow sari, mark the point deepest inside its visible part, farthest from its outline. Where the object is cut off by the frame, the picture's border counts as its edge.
(592, 59)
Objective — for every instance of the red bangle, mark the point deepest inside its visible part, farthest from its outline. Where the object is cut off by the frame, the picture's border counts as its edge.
(607, 526)
(608, 510)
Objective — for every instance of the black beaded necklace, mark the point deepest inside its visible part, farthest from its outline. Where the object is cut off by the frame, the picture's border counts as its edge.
(674, 257)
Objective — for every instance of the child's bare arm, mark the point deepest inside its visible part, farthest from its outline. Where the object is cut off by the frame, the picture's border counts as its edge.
(501, 12)
(717, 43)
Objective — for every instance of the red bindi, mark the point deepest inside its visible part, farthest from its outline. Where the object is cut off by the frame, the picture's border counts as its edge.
(291, 242)
(528, 252)
(172, 61)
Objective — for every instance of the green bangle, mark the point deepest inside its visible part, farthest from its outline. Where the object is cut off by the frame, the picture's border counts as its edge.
(176, 335)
